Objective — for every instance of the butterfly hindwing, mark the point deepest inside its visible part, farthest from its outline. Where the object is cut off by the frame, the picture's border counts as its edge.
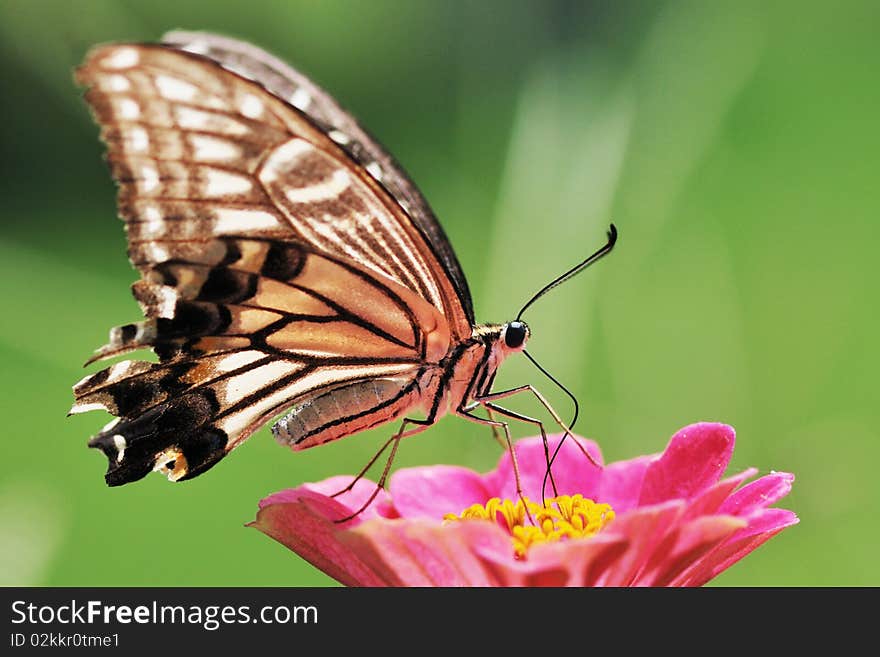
(245, 339)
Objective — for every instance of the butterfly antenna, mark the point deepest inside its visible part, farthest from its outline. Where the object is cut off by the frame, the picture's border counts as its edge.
(574, 271)
(571, 424)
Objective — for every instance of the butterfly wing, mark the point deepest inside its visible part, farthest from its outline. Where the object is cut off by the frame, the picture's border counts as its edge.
(275, 270)
(322, 109)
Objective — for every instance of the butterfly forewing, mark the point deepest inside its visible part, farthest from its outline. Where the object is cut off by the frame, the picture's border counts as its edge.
(322, 109)
(276, 271)
(225, 141)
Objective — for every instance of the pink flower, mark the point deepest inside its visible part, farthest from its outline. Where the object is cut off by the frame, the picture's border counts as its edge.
(663, 520)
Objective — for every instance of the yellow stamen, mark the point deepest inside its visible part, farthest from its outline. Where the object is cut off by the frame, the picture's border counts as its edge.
(558, 519)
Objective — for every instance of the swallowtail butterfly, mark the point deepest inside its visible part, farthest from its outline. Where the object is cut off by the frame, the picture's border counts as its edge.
(287, 264)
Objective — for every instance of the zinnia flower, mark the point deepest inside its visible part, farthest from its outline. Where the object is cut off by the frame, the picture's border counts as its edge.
(662, 520)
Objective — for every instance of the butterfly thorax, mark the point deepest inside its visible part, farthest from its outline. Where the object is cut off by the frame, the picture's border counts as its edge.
(468, 370)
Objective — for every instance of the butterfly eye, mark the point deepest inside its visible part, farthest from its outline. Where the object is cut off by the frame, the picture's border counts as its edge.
(515, 334)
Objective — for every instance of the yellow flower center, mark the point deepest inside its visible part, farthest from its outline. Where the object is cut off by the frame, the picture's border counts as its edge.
(558, 519)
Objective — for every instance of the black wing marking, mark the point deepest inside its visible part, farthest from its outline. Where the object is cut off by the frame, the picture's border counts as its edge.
(240, 340)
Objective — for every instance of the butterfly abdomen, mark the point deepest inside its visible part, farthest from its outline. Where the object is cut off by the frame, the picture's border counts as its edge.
(345, 410)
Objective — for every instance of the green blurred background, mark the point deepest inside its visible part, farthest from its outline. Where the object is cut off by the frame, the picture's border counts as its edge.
(735, 145)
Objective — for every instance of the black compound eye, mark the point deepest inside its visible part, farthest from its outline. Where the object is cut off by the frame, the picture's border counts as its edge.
(515, 334)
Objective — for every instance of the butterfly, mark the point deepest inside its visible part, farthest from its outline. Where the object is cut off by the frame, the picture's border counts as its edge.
(287, 264)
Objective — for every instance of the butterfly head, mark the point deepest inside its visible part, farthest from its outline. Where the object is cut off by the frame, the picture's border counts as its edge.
(515, 334)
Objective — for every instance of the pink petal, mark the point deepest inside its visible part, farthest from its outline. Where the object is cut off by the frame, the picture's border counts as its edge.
(644, 529)
(768, 520)
(303, 526)
(763, 524)
(686, 546)
(351, 500)
(434, 491)
(759, 494)
(572, 471)
(576, 562)
(710, 500)
(745, 541)
(421, 553)
(731, 553)
(573, 563)
(621, 483)
(694, 460)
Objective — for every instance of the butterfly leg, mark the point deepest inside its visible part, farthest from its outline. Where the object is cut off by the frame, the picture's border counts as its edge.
(495, 434)
(369, 465)
(490, 407)
(466, 412)
(394, 441)
(503, 394)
